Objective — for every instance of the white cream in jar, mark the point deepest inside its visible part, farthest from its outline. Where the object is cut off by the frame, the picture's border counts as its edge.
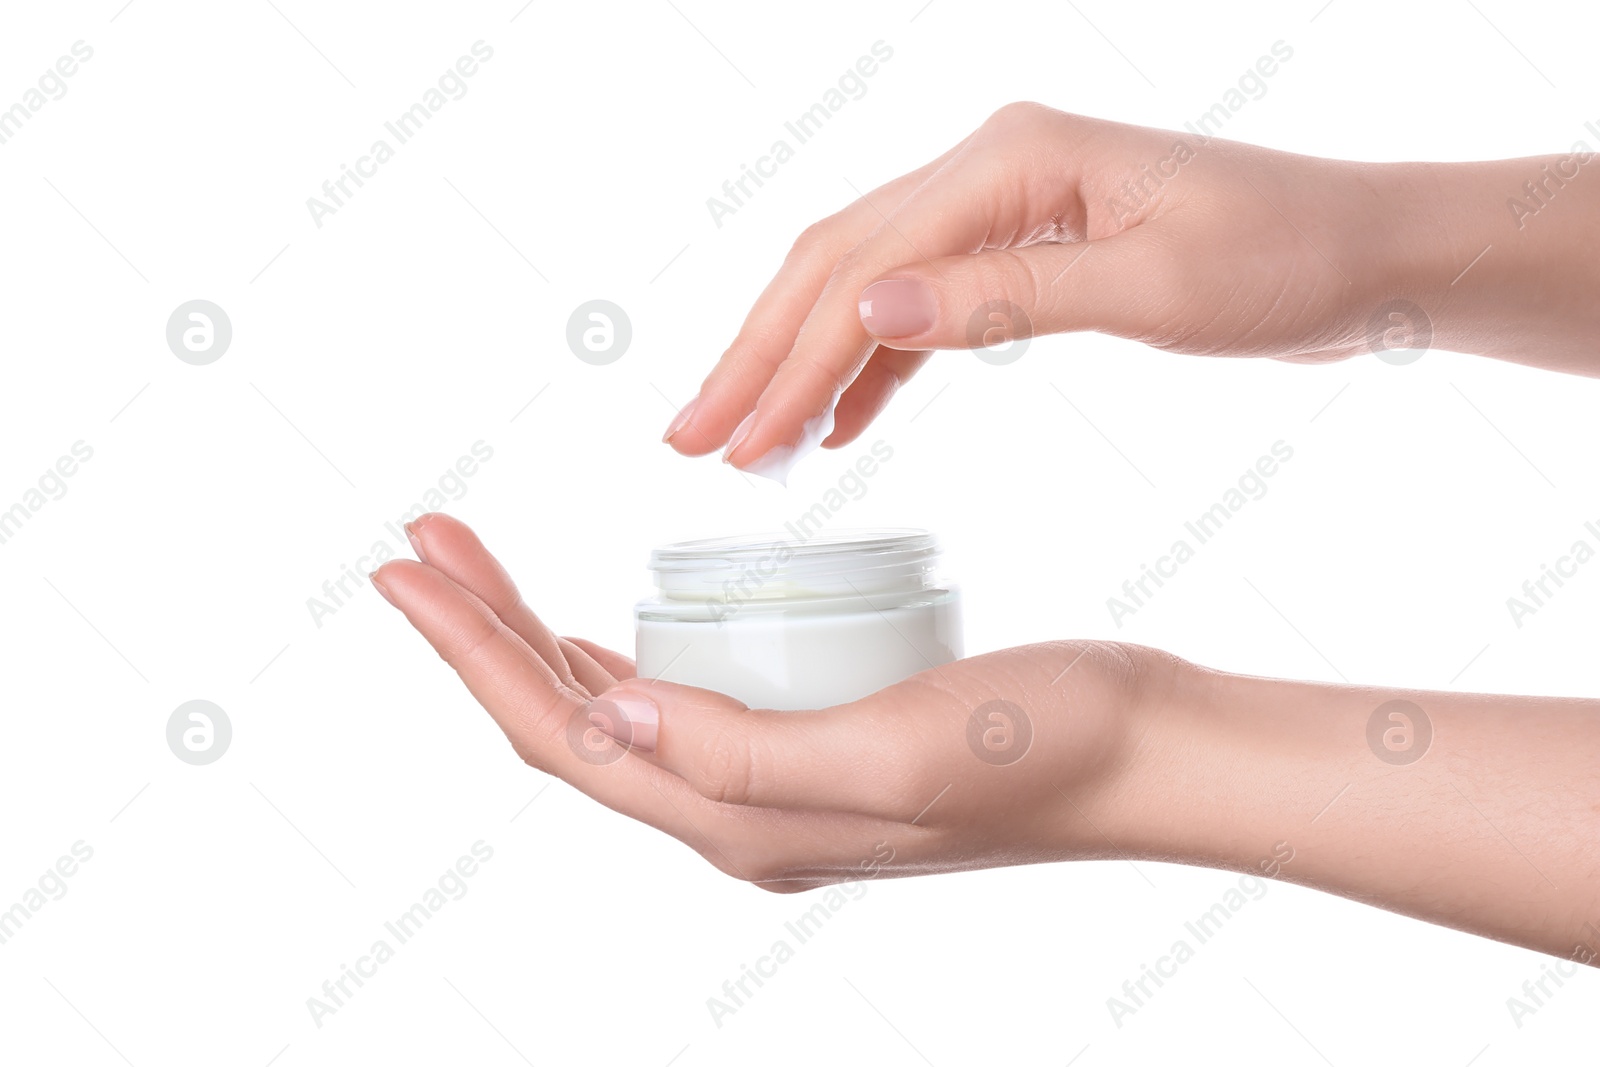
(789, 624)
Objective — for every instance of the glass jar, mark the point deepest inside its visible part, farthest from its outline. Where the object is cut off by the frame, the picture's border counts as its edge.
(787, 623)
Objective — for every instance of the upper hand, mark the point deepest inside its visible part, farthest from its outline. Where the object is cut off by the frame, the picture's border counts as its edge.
(1045, 222)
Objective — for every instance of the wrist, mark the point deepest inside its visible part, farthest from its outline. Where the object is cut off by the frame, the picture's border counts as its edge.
(1233, 771)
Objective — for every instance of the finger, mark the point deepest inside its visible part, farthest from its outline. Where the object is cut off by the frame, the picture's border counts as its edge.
(450, 546)
(614, 663)
(591, 677)
(730, 391)
(831, 760)
(537, 714)
(1020, 179)
(886, 371)
(793, 413)
(1118, 285)
(531, 705)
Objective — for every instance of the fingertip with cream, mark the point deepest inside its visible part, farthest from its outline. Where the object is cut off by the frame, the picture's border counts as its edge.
(778, 461)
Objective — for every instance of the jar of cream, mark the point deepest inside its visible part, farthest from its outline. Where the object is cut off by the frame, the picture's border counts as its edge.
(792, 624)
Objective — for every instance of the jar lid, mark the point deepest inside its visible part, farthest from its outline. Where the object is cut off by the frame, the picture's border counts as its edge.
(783, 566)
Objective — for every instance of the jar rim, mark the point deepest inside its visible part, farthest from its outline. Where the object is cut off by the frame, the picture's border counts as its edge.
(779, 565)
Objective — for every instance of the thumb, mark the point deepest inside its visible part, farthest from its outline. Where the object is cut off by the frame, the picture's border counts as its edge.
(973, 301)
(830, 760)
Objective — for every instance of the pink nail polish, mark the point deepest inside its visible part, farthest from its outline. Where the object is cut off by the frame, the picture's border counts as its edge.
(416, 542)
(740, 432)
(627, 718)
(898, 307)
(681, 420)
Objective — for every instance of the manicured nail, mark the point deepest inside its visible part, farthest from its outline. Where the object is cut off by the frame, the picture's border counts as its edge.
(630, 719)
(898, 307)
(373, 578)
(681, 420)
(740, 432)
(416, 542)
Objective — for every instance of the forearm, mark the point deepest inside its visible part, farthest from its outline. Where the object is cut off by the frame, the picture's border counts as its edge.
(1503, 256)
(1476, 812)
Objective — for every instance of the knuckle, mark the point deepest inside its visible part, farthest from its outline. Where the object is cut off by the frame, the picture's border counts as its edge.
(1018, 115)
(857, 266)
(747, 364)
(543, 725)
(1004, 274)
(849, 265)
(545, 721)
(723, 769)
(813, 373)
(529, 754)
(462, 648)
(812, 242)
(538, 734)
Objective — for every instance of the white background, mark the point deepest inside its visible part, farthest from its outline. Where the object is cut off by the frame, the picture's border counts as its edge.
(369, 354)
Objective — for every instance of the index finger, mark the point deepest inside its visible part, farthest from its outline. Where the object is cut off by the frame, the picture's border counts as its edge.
(795, 411)
(767, 336)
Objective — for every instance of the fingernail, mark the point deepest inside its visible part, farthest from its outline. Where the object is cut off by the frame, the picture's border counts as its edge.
(630, 719)
(740, 432)
(373, 578)
(681, 420)
(898, 307)
(416, 543)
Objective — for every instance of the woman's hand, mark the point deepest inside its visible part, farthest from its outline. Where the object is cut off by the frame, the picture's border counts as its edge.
(999, 759)
(1044, 222)
(1478, 812)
